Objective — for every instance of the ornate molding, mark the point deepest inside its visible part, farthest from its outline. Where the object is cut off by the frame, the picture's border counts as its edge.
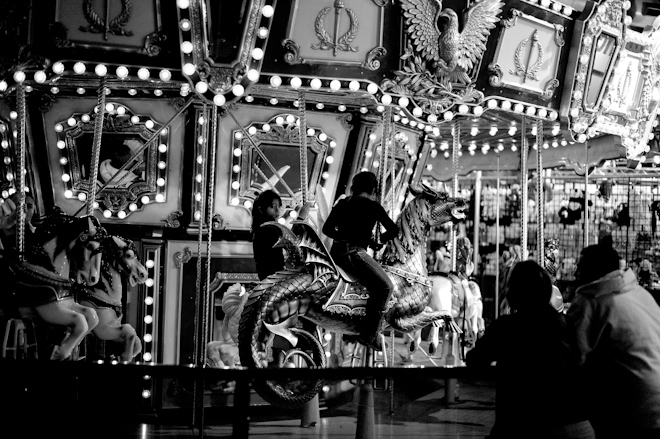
(345, 121)
(372, 63)
(559, 35)
(528, 71)
(182, 258)
(152, 43)
(218, 222)
(115, 26)
(172, 219)
(292, 55)
(513, 20)
(550, 88)
(496, 79)
(46, 101)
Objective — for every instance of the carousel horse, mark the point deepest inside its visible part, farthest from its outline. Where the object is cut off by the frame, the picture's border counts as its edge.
(320, 291)
(65, 249)
(454, 291)
(119, 264)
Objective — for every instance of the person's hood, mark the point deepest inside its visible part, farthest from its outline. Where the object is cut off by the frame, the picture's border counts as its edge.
(616, 281)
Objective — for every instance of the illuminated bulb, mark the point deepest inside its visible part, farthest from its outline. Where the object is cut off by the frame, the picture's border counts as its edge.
(160, 182)
(183, 4)
(493, 130)
(253, 75)
(386, 99)
(198, 178)
(59, 128)
(247, 204)
(148, 319)
(333, 144)
(335, 85)
(238, 90)
(329, 160)
(234, 202)
(310, 131)
(40, 76)
(71, 122)
(219, 100)
(121, 214)
(474, 131)
(165, 75)
(353, 86)
(295, 82)
(257, 53)
(68, 194)
(315, 83)
(148, 301)
(149, 124)
(82, 196)
(463, 109)
(107, 213)
(3, 86)
(145, 199)
(186, 47)
(60, 144)
(101, 70)
(120, 110)
(323, 137)
(432, 118)
(268, 11)
(448, 115)
(198, 197)
(290, 119)
(262, 32)
(63, 161)
(132, 207)
(188, 69)
(58, 68)
(273, 101)
(417, 112)
(372, 88)
(132, 92)
(201, 87)
(65, 177)
(79, 68)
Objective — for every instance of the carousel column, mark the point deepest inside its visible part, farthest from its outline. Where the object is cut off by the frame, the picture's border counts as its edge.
(200, 311)
(20, 225)
(96, 147)
(540, 198)
(523, 188)
(586, 201)
(456, 146)
(477, 218)
(497, 239)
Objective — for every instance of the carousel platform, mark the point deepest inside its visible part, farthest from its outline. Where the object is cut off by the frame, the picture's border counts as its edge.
(80, 399)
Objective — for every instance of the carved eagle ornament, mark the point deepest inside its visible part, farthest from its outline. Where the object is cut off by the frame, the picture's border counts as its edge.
(453, 53)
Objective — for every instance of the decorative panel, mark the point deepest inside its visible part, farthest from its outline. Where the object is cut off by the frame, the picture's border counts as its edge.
(154, 191)
(527, 55)
(338, 32)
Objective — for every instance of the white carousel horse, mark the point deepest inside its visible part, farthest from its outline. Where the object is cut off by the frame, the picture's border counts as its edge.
(120, 263)
(64, 248)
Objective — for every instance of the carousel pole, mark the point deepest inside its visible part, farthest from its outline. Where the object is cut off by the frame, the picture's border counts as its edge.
(310, 415)
(497, 239)
(586, 186)
(96, 147)
(198, 349)
(476, 218)
(20, 225)
(523, 188)
(540, 199)
(456, 134)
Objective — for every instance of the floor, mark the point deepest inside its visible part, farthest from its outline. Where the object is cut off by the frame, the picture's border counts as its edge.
(414, 408)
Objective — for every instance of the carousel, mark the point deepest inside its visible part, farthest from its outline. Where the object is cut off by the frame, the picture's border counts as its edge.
(136, 137)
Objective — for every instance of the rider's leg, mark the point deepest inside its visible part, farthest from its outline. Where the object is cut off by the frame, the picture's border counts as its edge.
(380, 287)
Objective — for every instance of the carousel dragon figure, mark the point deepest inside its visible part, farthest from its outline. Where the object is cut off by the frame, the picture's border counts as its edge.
(452, 53)
(324, 294)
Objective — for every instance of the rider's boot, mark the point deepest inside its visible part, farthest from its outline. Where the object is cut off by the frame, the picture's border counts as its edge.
(370, 333)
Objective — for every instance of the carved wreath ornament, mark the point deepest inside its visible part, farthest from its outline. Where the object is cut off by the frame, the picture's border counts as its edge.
(336, 43)
(114, 26)
(529, 71)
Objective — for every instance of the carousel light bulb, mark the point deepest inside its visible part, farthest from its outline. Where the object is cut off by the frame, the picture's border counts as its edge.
(160, 182)
(253, 75)
(310, 131)
(474, 131)
(279, 120)
(40, 76)
(493, 130)
(273, 101)
(417, 112)
(121, 110)
(323, 137)
(219, 100)
(353, 86)
(372, 88)
(121, 214)
(132, 91)
(19, 76)
(109, 107)
(463, 109)
(148, 319)
(145, 199)
(257, 53)
(329, 160)
(325, 175)
(95, 205)
(183, 4)
(60, 144)
(65, 178)
(201, 87)
(335, 85)
(198, 197)
(63, 161)
(160, 198)
(386, 99)
(149, 124)
(148, 301)
(267, 11)
(13, 115)
(512, 131)
(448, 115)
(238, 90)
(107, 213)
(290, 119)
(262, 32)
(315, 83)
(186, 47)
(79, 68)
(234, 201)
(295, 82)
(165, 75)
(71, 122)
(59, 128)
(275, 81)
(149, 263)
(364, 110)
(101, 69)
(188, 69)
(252, 130)
(198, 178)
(555, 144)
(58, 68)
(403, 101)
(341, 108)
(68, 194)
(247, 204)
(82, 196)
(333, 144)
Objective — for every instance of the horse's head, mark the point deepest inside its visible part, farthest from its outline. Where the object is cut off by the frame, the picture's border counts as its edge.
(443, 208)
(121, 254)
(86, 253)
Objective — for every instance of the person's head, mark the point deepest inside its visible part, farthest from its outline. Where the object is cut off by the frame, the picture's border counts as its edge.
(595, 261)
(267, 207)
(364, 182)
(529, 287)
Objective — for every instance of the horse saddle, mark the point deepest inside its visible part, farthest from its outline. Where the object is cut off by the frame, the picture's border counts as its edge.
(39, 287)
(349, 297)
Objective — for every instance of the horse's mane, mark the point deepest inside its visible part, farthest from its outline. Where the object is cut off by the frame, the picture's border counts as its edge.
(411, 231)
(113, 257)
